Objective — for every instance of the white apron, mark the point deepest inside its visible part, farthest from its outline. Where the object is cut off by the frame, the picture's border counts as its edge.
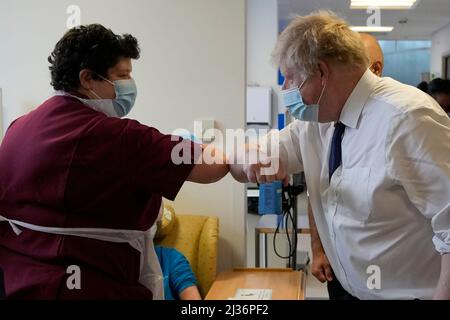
(150, 270)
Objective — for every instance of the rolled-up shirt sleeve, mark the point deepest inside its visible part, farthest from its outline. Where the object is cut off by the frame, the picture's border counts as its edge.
(285, 144)
(418, 156)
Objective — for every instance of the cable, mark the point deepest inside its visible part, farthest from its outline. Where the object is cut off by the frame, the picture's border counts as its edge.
(288, 205)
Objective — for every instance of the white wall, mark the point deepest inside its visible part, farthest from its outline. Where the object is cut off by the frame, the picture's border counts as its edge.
(192, 66)
(440, 46)
(262, 34)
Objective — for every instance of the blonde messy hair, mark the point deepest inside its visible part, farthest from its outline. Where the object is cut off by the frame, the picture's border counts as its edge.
(322, 35)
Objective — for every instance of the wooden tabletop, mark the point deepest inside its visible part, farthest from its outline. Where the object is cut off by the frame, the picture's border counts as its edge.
(286, 284)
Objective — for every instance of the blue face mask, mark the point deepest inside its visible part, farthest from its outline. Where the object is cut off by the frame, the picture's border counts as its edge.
(122, 104)
(293, 101)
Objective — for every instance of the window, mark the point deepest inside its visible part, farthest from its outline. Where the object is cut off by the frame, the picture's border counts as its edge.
(406, 60)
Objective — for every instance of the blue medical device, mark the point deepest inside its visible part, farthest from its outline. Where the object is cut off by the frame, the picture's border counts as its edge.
(270, 196)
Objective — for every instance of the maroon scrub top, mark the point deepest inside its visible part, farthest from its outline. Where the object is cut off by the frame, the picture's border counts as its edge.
(66, 165)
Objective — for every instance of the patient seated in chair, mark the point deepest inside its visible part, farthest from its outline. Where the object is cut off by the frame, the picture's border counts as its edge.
(179, 280)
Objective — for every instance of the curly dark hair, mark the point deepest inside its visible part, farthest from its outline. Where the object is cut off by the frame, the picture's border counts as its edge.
(90, 47)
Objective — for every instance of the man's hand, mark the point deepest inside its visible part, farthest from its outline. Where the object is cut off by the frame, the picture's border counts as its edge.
(255, 166)
(321, 268)
(265, 171)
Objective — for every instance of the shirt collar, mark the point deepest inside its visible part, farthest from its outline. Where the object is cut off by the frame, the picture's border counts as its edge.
(74, 94)
(352, 109)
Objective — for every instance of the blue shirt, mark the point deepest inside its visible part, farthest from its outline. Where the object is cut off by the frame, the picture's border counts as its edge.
(176, 270)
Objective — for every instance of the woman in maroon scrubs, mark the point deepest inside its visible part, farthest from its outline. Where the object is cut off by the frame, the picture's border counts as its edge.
(73, 164)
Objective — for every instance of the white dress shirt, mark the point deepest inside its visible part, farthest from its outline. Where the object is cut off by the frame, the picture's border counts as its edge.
(388, 204)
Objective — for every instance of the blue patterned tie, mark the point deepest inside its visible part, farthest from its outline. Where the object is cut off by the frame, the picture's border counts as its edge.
(336, 149)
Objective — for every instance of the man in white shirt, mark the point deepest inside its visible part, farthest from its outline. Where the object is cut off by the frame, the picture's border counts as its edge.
(380, 192)
(320, 266)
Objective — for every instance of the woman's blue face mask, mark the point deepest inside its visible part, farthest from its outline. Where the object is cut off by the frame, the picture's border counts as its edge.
(126, 93)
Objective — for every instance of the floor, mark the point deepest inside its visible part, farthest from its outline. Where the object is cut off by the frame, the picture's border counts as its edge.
(314, 289)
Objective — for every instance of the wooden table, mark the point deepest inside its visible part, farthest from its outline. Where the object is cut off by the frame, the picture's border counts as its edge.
(268, 224)
(286, 284)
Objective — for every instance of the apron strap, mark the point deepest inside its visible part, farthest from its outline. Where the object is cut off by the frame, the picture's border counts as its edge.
(15, 228)
(150, 270)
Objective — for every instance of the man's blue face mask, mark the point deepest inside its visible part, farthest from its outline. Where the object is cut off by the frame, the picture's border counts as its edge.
(293, 101)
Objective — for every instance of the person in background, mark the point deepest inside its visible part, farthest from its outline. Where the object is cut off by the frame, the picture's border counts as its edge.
(320, 266)
(439, 89)
(180, 282)
(423, 86)
(374, 52)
